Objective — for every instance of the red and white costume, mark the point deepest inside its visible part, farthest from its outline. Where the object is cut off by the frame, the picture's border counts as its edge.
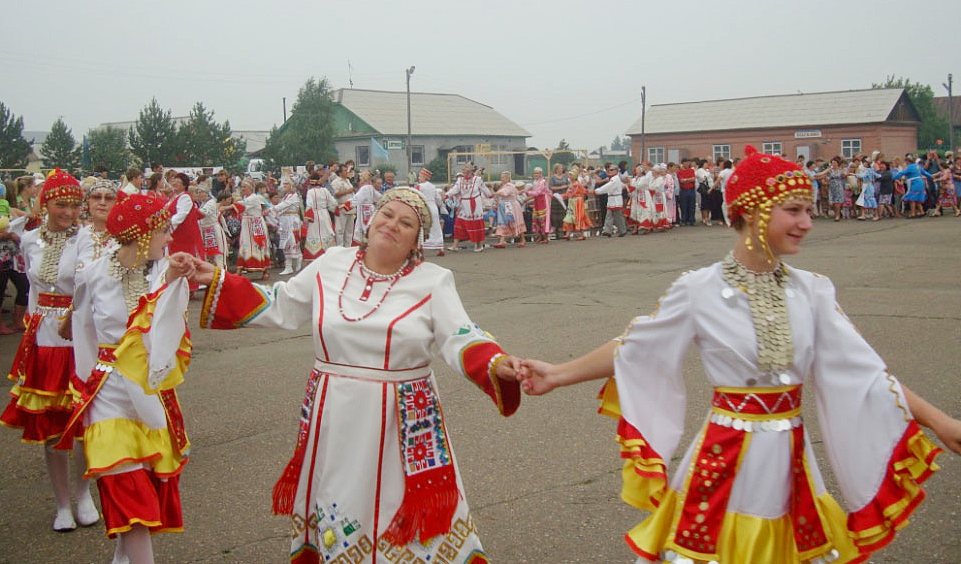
(185, 226)
(128, 363)
(435, 203)
(213, 233)
(253, 252)
(364, 200)
(320, 233)
(748, 489)
(373, 468)
(43, 367)
(288, 212)
(469, 223)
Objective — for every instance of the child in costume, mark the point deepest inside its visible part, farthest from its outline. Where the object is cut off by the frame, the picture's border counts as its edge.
(43, 367)
(576, 222)
(132, 348)
(748, 488)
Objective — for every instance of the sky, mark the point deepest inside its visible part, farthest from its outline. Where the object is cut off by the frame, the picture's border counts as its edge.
(561, 69)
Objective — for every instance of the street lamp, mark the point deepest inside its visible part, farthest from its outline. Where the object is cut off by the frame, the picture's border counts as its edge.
(947, 87)
(643, 116)
(409, 71)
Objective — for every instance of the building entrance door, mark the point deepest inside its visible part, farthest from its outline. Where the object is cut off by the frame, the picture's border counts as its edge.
(804, 150)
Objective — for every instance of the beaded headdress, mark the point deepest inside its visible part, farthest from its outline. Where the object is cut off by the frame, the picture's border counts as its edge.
(60, 185)
(135, 217)
(413, 199)
(761, 182)
(426, 172)
(99, 185)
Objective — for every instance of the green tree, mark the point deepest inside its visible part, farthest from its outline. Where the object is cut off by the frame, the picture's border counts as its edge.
(108, 148)
(154, 137)
(933, 126)
(617, 144)
(562, 154)
(438, 167)
(14, 149)
(309, 132)
(201, 141)
(60, 148)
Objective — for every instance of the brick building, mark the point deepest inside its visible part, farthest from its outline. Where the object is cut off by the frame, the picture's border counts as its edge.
(822, 124)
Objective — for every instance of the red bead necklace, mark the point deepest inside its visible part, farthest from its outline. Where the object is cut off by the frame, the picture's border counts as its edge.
(370, 277)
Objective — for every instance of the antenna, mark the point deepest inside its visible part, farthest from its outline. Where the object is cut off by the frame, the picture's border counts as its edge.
(350, 79)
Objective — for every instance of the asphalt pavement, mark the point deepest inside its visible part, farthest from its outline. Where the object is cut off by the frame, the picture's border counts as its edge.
(544, 484)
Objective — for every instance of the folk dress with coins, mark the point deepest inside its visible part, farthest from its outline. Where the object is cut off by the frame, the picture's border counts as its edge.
(748, 488)
(373, 476)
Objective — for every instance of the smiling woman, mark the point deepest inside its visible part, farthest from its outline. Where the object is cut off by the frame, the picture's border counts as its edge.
(377, 313)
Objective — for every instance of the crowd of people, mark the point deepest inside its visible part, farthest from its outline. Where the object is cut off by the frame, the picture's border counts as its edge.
(103, 274)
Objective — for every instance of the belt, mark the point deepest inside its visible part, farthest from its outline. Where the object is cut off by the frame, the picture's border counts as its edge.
(370, 373)
(48, 303)
(757, 409)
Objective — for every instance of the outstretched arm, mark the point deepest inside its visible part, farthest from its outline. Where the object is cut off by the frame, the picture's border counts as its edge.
(944, 426)
(538, 377)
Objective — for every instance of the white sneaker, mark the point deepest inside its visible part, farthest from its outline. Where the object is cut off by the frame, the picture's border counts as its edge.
(287, 270)
(63, 522)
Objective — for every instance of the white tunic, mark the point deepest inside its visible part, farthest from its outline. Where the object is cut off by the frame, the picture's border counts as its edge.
(352, 479)
(31, 246)
(435, 203)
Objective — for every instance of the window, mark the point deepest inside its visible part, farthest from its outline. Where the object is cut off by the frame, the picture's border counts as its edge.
(463, 159)
(417, 155)
(772, 148)
(655, 154)
(362, 155)
(499, 160)
(850, 147)
(722, 152)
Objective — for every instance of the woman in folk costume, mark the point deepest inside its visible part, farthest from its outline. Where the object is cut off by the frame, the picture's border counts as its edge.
(510, 215)
(212, 230)
(93, 239)
(288, 213)
(253, 253)
(576, 221)
(748, 489)
(469, 224)
(914, 178)
(132, 349)
(184, 220)
(44, 366)
(656, 207)
(435, 203)
(377, 311)
(320, 232)
(639, 218)
(364, 201)
(540, 215)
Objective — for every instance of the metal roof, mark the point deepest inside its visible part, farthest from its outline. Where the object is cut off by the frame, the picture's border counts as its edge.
(431, 113)
(792, 110)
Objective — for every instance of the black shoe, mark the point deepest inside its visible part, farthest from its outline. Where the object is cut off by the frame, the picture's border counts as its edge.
(606, 234)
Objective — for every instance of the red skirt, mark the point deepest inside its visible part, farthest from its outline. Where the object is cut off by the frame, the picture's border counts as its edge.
(469, 230)
(140, 498)
(41, 401)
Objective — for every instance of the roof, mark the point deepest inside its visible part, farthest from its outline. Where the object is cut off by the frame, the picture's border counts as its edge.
(941, 106)
(792, 110)
(431, 113)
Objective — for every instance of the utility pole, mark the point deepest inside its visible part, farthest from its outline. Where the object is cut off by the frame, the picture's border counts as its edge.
(285, 109)
(410, 71)
(643, 116)
(948, 87)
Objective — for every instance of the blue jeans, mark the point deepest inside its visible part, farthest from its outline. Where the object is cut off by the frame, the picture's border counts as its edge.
(687, 201)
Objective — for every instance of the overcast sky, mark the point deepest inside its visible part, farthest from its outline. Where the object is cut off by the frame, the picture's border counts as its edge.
(561, 69)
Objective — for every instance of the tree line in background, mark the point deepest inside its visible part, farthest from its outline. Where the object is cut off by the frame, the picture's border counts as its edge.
(199, 140)
(308, 134)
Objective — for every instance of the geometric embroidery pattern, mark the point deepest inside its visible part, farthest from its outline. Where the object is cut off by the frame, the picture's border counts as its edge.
(422, 435)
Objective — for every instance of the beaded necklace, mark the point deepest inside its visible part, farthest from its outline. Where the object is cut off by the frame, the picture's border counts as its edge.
(767, 299)
(53, 243)
(133, 280)
(100, 239)
(370, 277)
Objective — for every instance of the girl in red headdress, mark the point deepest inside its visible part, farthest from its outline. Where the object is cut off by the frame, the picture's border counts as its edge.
(40, 400)
(748, 489)
(132, 349)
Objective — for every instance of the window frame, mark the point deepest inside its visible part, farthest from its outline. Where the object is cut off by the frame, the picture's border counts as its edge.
(423, 155)
(768, 147)
(461, 160)
(653, 151)
(357, 152)
(847, 147)
(719, 153)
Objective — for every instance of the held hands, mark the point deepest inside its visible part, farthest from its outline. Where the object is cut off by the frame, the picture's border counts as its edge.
(203, 272)
(180, 265)
(537, 377)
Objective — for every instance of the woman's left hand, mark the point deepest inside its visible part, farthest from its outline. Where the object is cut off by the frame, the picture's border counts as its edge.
(509, 368)
(179, 265)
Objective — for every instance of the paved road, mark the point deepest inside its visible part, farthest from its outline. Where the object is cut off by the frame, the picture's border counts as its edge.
(543, 485)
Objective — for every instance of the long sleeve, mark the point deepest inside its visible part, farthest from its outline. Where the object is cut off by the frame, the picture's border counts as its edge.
(82, 326)
(184, 203)
(232, 301)
(649, 395)
(878, 452)
(467, 348)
